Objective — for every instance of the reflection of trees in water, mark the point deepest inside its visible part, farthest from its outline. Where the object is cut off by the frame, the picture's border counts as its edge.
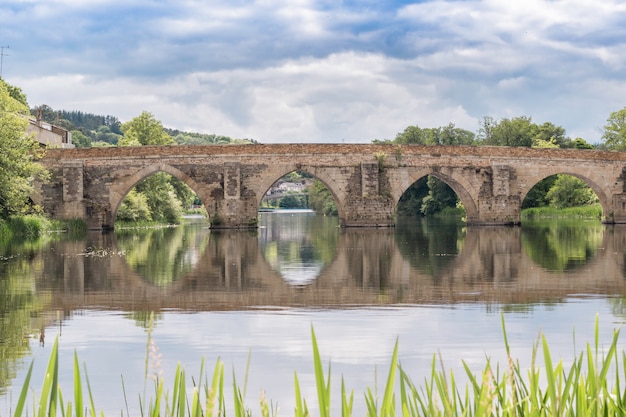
(561, 245)
(162, 255)
(430, 244)
(20, 305)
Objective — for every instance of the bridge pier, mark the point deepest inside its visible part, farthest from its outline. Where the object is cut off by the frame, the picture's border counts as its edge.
(497, 211)
(234, 214)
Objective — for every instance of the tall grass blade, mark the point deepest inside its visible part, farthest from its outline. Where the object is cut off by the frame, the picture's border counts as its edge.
(78, 388)
(550, 377)
(19, 408)
(323, 387)
(48, 404)
(92, 405)
(346, 404)
(388, 405)
(301, 408)
(215, 389)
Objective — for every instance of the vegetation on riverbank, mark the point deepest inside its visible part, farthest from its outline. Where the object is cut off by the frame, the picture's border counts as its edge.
(593, 211)
(591, 385)
(33, 226)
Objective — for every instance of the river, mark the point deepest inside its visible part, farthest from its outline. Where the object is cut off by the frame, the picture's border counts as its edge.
(437, 287)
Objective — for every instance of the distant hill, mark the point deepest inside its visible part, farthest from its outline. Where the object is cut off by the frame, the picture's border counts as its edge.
(93, 130)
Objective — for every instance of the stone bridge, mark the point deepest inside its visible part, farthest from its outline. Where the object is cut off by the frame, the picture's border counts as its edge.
(366, 180)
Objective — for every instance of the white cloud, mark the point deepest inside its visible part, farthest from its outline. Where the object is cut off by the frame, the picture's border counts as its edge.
(306, 70)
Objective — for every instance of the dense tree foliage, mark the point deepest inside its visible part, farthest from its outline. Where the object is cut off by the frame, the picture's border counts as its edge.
(614, 134)
(18, 153)
(321, 199)
(446, 135)
(569, 191)
(144, 129)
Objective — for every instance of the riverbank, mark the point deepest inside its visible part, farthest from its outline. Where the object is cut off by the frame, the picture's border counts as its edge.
(583, 212)
(33, 226)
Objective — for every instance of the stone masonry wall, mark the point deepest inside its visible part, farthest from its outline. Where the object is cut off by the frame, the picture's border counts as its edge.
(367, 180)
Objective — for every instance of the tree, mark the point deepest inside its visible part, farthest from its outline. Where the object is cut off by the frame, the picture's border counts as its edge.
(449, 135)
(615, 131)
(445, 135)
(550, 136)
(580, 143)
(321, 199)
(569, 191)
(144, 130)
(80, 140)
(18, 153)
(411, 135)
(518, 131)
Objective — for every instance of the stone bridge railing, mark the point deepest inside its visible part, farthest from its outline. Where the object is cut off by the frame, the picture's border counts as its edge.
(366, 180)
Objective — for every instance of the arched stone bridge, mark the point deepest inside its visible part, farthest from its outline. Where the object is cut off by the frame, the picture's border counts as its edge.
(366, 180)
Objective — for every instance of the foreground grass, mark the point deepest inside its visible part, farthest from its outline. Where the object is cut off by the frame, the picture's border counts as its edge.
(546, 389)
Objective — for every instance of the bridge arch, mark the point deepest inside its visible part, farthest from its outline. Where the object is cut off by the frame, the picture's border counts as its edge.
(604, 200)
(120, 190)
(321, 175)
(458, 184)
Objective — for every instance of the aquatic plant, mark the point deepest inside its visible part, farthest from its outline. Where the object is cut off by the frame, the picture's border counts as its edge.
(547, 389)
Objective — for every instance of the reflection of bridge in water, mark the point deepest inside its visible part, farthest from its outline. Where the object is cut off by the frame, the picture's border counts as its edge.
(369, 268)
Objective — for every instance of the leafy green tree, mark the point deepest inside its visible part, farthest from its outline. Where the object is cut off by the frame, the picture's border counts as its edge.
(134, 208)
(411, 135)
(18, 154)
(104, 134)
(614, 135)
(321, 199)
(569, 191)
(445, 135)
(518, 131)
(80, 140)
(448, 135)
(536, 197)
(161, 198)
(144, 130)
(292, 201)
(580, 143)
(549, 133)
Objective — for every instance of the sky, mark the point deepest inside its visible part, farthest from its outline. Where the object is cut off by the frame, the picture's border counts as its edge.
(321, 71)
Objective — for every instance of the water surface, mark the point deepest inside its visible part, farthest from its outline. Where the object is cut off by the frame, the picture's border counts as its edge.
(437, 287)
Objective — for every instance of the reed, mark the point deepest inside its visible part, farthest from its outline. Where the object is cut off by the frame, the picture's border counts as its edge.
(590, 386)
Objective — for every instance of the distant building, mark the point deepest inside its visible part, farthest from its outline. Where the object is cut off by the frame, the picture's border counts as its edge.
(49, 135)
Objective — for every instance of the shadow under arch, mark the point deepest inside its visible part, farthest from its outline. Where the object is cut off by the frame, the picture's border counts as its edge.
(459, 186)
(550, 171)
(320, 175)
(119, 191)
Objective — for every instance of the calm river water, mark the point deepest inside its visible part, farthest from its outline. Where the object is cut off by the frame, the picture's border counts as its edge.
(437, 287)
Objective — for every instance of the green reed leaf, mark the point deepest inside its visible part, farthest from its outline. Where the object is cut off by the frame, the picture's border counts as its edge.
(323, 387)
(78, 388)
(24, 392)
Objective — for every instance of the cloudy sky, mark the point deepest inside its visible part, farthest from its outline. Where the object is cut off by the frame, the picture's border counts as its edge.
(282, 71)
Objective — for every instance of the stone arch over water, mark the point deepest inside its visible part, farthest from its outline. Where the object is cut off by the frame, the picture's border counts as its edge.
(120, 190)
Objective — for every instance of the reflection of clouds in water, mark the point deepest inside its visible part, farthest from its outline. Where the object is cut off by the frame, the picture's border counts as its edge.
(298, 273)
